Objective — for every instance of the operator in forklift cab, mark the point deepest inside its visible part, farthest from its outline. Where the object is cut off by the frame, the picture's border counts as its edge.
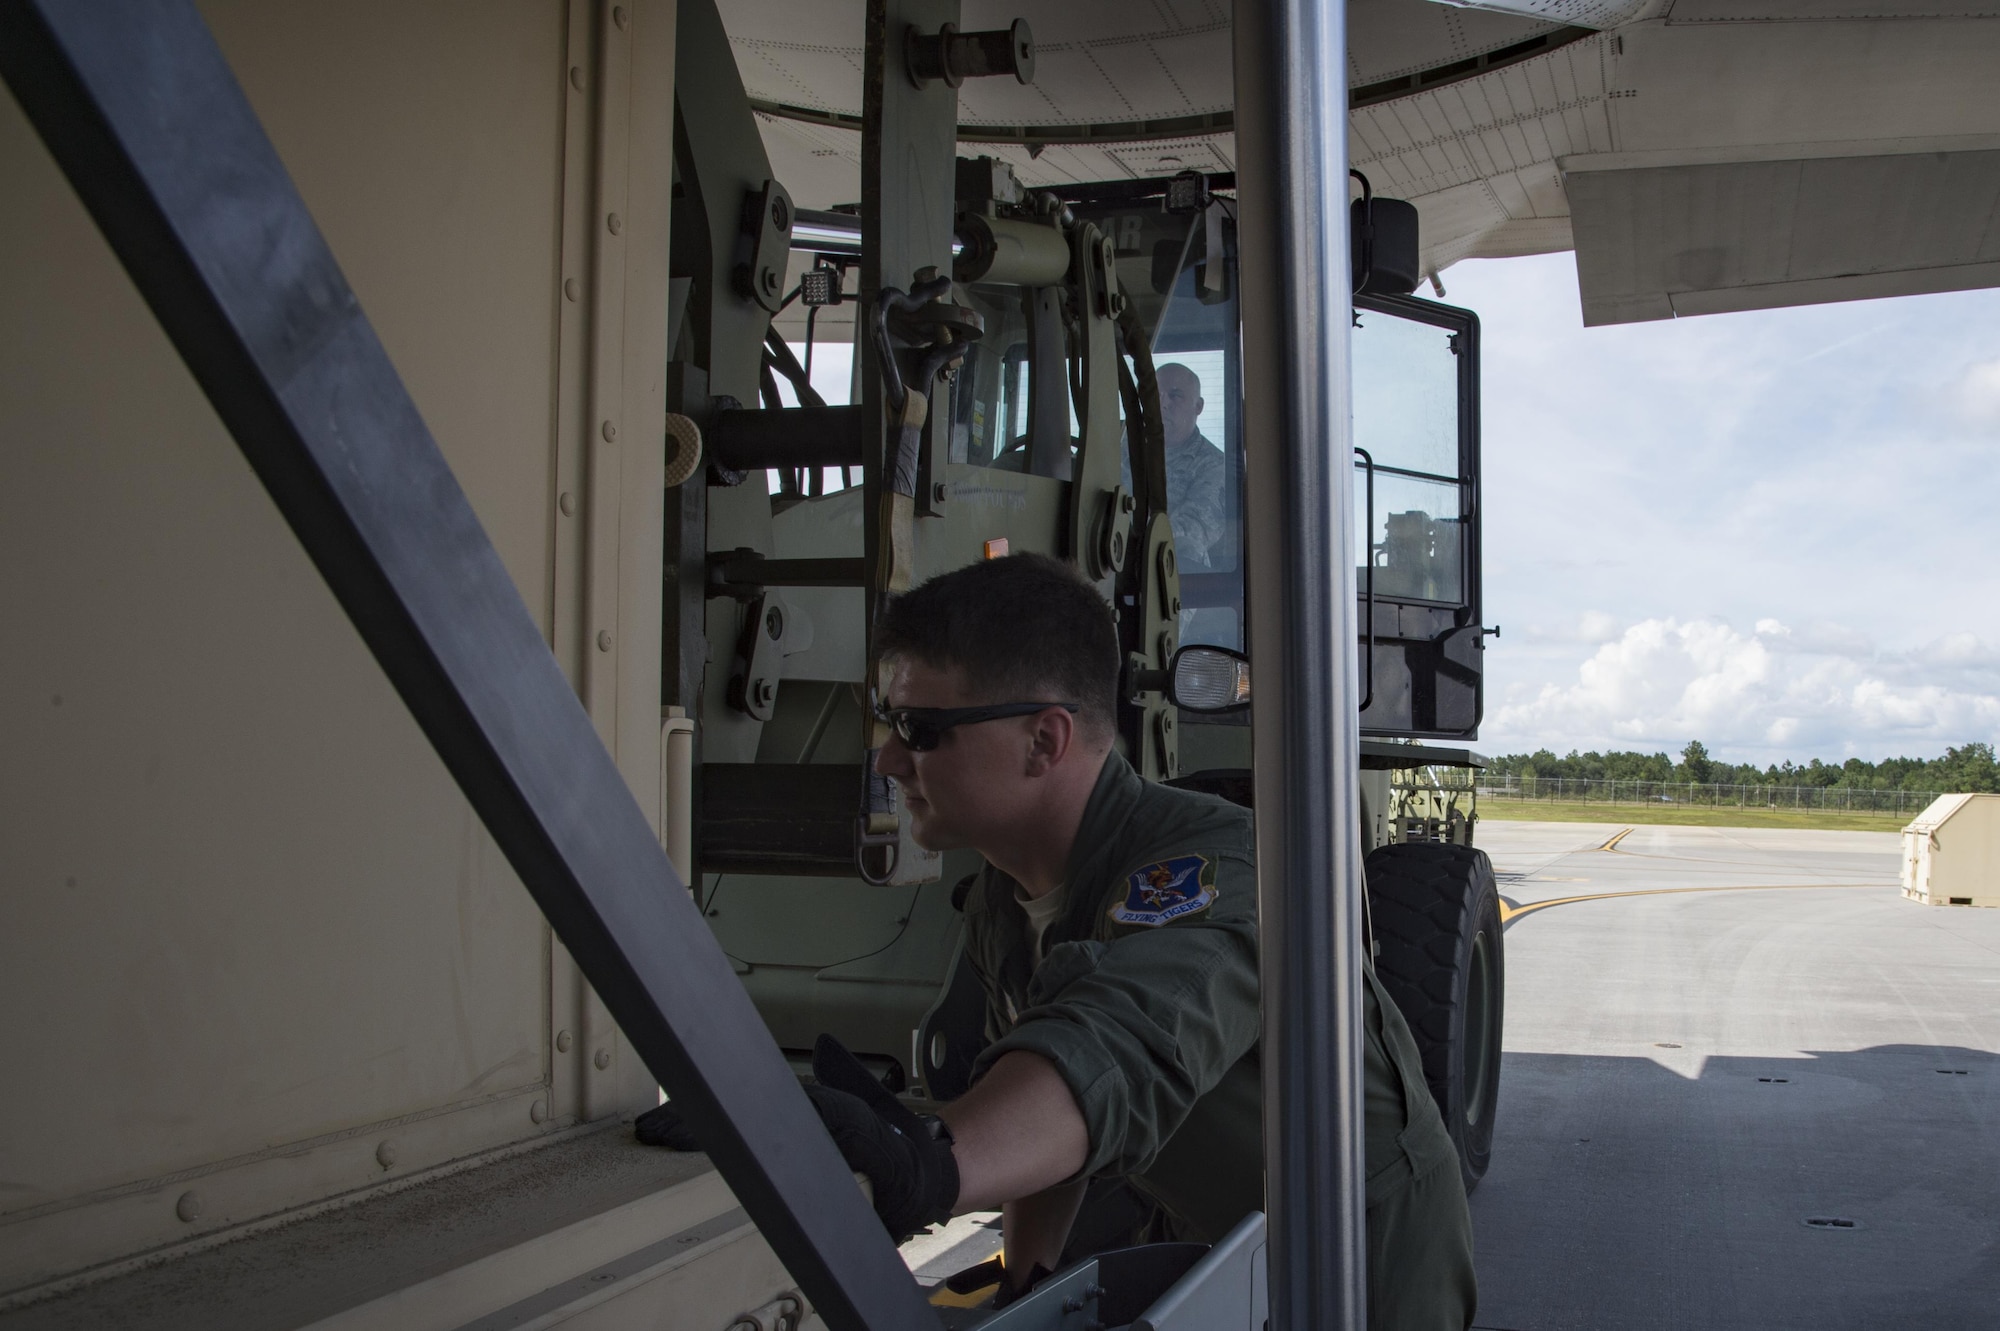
(1196, 484)
(1114, 930)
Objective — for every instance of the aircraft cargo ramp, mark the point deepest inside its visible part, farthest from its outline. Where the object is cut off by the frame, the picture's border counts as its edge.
(1746, 1085)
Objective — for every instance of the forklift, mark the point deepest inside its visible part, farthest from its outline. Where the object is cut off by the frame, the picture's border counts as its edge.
(1067, 302)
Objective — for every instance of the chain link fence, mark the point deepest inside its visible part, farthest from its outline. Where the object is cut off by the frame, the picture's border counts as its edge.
(1705, 794)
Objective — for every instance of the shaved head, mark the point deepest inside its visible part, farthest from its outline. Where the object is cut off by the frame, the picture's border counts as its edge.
(1180, 401)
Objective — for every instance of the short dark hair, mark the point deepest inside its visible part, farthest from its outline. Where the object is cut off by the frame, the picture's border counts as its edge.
(1023, 628)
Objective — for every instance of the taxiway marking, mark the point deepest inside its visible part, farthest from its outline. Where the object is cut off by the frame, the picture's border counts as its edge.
(1511, 911)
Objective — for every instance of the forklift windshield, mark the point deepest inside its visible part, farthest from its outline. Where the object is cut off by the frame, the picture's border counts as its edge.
(1179, 272)
(1415, 396)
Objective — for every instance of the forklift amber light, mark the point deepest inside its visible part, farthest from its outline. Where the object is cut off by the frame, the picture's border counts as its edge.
(1209, 679)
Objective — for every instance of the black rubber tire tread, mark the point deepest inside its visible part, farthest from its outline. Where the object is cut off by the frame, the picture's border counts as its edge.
(1428, 902)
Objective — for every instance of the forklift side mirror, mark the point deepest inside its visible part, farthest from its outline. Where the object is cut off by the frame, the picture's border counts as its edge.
(1209, 679)
(1385, 252)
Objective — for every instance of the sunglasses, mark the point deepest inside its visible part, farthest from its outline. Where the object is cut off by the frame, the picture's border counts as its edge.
(922, 728)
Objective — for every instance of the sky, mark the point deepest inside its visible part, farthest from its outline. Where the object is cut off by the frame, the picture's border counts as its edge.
(1777, 532)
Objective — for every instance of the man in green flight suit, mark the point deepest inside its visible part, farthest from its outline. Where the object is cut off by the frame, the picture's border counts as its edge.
(1115, 932)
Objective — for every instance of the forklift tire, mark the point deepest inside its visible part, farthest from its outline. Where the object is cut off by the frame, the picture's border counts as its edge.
(1436, 915)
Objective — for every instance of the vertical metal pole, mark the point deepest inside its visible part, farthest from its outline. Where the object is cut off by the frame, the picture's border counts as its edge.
(1291, 135)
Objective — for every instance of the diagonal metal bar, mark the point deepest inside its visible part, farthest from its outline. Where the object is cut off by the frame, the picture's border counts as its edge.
(141, 111)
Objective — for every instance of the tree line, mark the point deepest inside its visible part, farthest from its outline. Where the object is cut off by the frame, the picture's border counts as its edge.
(1970, 767)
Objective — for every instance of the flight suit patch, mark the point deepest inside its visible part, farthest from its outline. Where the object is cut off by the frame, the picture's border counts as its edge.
(1166, 891)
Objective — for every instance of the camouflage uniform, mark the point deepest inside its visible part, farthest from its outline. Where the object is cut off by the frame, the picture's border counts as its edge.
(1145, 1000)
(1197, 504)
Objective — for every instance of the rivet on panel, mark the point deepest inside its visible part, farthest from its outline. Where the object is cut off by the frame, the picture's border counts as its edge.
(385, 1154)
(615, 223)
(604, 640)
(562, 1042)
(567, 503)
(188, 1207)
(610, 432)
(621, 17)
(602, 1059)
(576, 77)
(571, 289)
(538, 1111)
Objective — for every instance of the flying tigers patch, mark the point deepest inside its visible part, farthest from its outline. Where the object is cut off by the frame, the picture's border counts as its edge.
(1167, 891)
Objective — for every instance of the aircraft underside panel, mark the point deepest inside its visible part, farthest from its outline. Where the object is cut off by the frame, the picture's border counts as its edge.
(1658, 242)
(1700, 157)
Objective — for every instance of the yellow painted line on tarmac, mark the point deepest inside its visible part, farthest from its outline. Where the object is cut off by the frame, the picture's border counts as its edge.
(1612, 844)
(944, 1298)
(1509, 911)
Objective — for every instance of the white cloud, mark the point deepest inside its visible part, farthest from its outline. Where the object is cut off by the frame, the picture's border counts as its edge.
(1966, 651)
(1979, 394)
(1763, 695)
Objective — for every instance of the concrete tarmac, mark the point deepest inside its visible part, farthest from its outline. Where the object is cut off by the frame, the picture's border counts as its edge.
(1746, 1085)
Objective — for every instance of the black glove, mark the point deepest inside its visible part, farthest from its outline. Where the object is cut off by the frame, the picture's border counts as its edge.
(663, 1127)
(907, 1159)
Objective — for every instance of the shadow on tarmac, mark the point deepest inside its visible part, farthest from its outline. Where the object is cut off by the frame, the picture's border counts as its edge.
(1671, 1190)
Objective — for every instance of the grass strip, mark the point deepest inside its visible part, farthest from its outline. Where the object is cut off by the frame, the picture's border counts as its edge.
(1687, 815)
